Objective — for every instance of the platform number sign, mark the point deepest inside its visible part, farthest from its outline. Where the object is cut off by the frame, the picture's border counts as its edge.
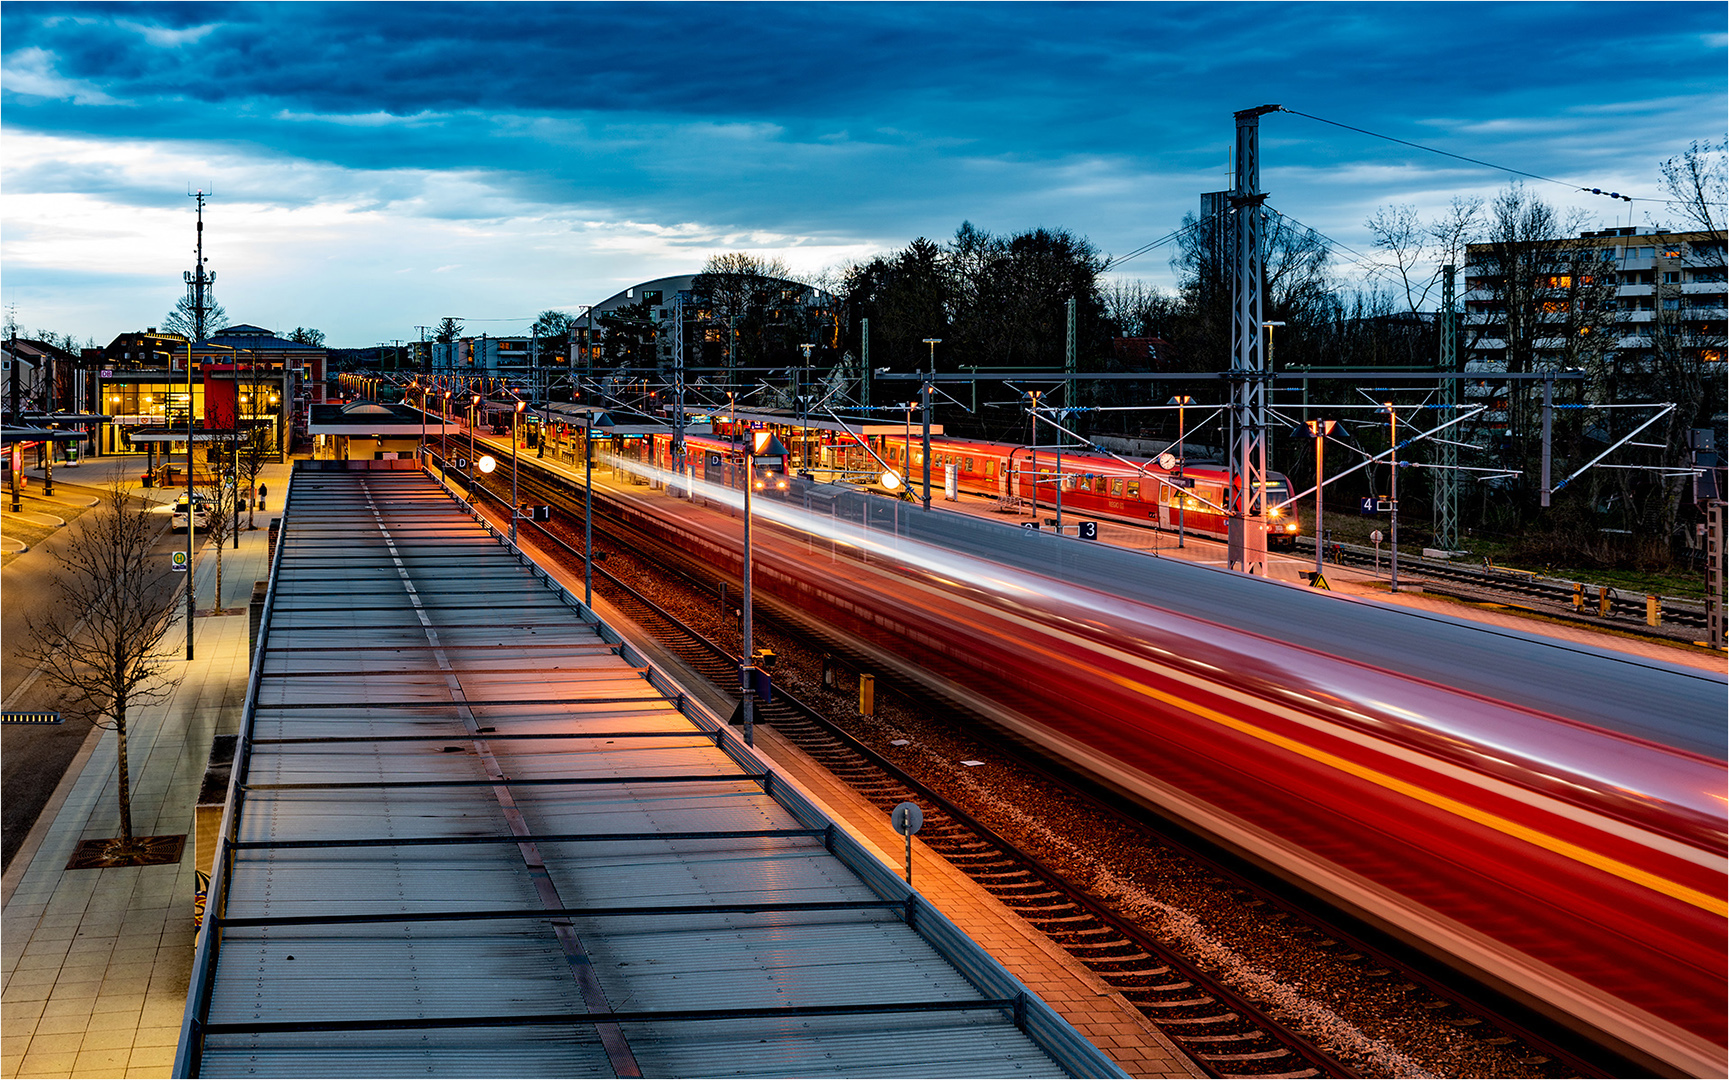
(1089, 530)
(1367, 507)
(1031, 526)
(178, 562)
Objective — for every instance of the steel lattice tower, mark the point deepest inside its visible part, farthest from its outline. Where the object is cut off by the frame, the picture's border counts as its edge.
(1247, 546)
(1446, 510)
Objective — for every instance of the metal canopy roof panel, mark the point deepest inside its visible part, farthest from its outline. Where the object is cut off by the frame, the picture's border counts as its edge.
(470, 836)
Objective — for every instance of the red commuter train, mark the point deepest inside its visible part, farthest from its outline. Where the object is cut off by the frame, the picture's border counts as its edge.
(1193, 498)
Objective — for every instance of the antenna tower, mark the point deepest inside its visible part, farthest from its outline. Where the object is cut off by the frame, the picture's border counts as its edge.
(198, 280)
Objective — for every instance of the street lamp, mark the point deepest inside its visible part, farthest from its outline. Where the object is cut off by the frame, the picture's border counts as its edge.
(1318, 430)
(758, 442)
(191, 566)
(1393, 487)
(1182, 402)
(473, 407)
(520, 405)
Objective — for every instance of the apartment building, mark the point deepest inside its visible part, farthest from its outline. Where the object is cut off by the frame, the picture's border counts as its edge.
(1604, 303)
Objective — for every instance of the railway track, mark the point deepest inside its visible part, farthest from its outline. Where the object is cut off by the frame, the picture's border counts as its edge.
(1626, 610)
(1226, 1032)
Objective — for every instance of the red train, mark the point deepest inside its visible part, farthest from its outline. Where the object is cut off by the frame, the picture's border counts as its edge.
(1194, 497)
(1548, 816)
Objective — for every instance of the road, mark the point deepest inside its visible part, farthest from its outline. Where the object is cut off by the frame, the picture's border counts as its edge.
(33, 758)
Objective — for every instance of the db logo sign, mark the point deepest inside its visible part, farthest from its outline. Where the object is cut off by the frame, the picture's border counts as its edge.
(179, 562)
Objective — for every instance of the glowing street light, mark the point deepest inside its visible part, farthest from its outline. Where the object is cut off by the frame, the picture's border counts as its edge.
(1182, 402)
(1317, 430)
(1393, 486)
(520, 405)
(765, 444)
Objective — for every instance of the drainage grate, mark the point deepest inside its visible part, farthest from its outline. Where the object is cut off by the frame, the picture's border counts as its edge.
(142, 851)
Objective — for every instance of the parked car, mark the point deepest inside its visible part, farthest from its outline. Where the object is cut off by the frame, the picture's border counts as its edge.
(202, 508)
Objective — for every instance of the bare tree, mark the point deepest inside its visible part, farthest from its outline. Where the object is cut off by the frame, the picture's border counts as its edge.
(260, 444)
(102, 643)
(184, 321)
(218, 527)
(1412, 252)
(1697, 185)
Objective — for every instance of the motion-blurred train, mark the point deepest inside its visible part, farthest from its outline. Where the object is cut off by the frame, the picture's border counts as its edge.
(1193, 498)
(1549, 816)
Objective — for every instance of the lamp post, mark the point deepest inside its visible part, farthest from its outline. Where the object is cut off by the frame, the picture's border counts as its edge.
(473, 408)
(1318, 430)
(420, 451)
(925, 396)
(907, 466)
(588, 511)
(191, 569)
(444, 435)
(1393, 488)
(520, 405)
(1182, 402)
(747, 665)
(759, 442)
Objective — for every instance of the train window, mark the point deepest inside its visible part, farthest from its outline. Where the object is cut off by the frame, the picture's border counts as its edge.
(969, 464)
(1099, 485)
(1117, 488)
(991, 468)
(1134, 489)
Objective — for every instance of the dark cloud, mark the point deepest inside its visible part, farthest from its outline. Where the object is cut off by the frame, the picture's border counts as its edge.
(873, 119)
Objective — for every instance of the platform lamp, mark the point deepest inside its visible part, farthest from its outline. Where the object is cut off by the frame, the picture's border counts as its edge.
(473, 409)
(1392, 415)
(1317, 430)
(514, 416)
(925, 397)
(444, 435)
(1182, 402)
(764, 444)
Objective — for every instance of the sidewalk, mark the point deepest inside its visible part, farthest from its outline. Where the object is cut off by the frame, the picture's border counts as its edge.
(95, 963)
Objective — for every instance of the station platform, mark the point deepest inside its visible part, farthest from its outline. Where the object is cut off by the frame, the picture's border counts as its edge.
(473, 832)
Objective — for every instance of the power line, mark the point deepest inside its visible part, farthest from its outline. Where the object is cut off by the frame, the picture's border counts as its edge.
(1317, 232)
(1472, 160)
(1160, 242)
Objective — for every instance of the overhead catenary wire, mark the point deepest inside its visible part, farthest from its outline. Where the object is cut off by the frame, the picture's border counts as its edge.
(1470, 160)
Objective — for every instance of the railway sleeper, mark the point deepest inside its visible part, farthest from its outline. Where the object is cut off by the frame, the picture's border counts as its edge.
(1184, 1003)
(1245, 1036)
(1221, 1018)
(1100, 953)
(1252, 1055)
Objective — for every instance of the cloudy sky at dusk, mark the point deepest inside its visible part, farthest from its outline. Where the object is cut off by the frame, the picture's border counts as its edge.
(377, 167)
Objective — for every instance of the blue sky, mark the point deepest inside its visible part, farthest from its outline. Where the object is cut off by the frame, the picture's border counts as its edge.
(378, 167)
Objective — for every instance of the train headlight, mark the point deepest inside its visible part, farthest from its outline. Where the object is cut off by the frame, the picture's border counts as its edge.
(1292, 527)
(780, 485)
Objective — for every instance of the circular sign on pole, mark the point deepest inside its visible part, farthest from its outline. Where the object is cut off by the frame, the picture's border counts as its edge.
(906, 819)
(178, 562)
(1375, 536)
